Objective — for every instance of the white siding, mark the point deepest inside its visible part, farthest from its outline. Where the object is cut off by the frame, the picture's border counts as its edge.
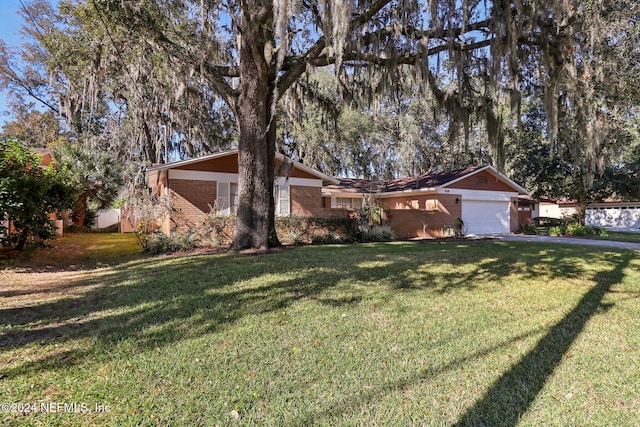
(623, 217)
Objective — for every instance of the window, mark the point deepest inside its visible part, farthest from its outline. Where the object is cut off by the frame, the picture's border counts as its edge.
(234, 197)
(348, 203)
(222, 199)
(282, 199)
(227, 198)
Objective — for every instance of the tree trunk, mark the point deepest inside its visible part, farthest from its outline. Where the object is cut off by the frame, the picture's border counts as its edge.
(22, 240)
(581, 211)
(256, 141)
(80, 211)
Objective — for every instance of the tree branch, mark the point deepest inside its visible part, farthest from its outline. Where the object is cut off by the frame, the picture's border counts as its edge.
(298, 66)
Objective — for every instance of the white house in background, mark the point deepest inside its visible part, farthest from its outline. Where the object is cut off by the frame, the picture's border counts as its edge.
(614, 215)
(557, 209)
(106, 218)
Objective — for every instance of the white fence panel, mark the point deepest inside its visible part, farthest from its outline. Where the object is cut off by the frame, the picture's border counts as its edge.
(106, 218)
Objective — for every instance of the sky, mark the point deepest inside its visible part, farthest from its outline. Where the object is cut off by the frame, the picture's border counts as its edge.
(10, 23)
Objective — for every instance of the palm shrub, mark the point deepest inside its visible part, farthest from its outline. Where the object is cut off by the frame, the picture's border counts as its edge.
(99, 174)
(529, 229)
(558, 230)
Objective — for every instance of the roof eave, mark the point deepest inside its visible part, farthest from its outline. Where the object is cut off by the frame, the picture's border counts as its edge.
(496, 172)
(279, 156)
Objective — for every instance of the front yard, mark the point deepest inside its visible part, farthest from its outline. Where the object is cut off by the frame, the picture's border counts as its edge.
(494, 333)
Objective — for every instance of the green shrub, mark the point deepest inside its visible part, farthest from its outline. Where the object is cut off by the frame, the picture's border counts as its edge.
(218, 229)
(529, 229)
(293, 238)
(558, 230)
(160, 243)
(599, 231)
(377, 233)
(585, 230)
(325, 239)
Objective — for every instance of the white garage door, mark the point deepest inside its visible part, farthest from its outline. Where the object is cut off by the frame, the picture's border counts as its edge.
(485, 217)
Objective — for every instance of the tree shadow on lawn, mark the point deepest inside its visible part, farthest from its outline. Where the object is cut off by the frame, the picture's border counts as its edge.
(495, 261)
(158, 302)
(509, 398)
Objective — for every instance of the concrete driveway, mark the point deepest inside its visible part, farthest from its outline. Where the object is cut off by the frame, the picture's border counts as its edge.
(568, 240)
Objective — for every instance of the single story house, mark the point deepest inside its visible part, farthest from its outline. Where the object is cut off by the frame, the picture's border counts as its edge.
(614, 215)
(423, 206)
(427, 205)
(560, 209)
(610, 214)
(208, 184)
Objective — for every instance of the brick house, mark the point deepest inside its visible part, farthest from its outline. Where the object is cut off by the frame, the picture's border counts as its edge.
(207, 184)
(422, 206)
(427, 205)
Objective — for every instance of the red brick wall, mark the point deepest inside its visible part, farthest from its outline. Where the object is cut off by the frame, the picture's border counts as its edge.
(306, 201)
(190, 200)
(408, 222)
(492, 183)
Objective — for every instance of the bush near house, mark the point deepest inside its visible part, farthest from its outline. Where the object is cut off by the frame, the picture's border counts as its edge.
(529, 229)
(577, 230)
(217, 230)
(30, 193)
(585, 230)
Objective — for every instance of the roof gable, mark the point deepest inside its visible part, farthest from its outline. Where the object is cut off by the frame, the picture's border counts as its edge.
(213, 160)
(497, 181)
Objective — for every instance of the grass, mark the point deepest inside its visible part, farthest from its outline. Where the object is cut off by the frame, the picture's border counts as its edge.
(616, 236)
(480, 333)
(619, 236)
(76, 250)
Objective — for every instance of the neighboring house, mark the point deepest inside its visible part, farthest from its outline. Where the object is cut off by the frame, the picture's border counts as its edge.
(424, 206)
(614, 215)
(46, 154)
(106, 218)
(611, 214)
(557, 209)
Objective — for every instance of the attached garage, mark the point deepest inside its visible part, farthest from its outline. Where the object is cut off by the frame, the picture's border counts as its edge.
(486, 216)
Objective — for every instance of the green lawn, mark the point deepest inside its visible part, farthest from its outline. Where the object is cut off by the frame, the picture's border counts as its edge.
(616, 236)
(480, 333)
(619, 237)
